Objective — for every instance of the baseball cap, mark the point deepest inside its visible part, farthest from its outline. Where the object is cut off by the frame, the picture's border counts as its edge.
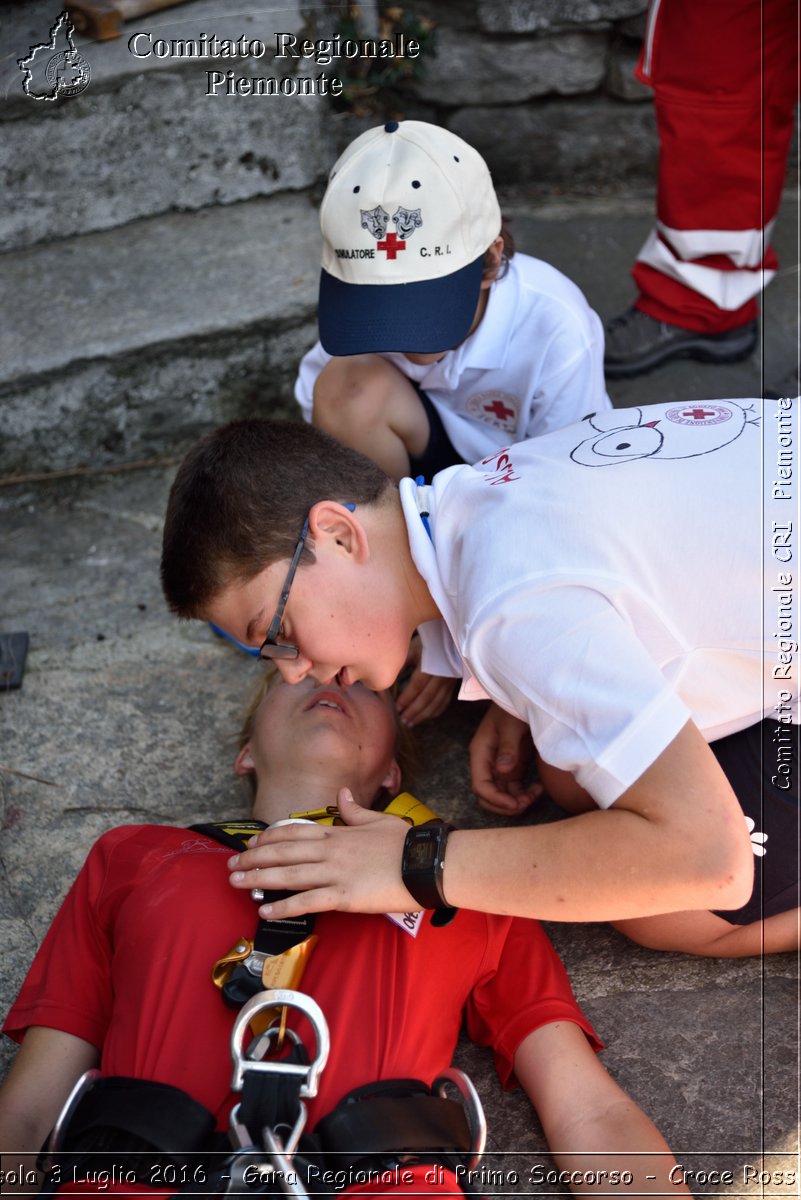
(406, 219)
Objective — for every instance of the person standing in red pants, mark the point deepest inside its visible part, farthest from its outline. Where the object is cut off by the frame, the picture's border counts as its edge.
(725, 80)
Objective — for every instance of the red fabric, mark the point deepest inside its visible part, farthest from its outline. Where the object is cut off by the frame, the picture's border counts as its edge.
(725, 80)
(415, 1180)
(126, 966)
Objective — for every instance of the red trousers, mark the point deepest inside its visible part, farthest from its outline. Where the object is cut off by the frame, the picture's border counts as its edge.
(725, 80)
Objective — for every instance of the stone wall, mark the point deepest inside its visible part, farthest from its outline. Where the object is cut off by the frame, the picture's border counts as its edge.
(544, 89)
(161, 248)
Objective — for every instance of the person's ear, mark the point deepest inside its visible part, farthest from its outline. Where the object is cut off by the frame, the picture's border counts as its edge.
(335, 524)
(495, 254)
(392, 779)
(244, 764)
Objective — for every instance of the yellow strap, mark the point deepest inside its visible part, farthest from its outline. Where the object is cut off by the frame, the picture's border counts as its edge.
(413, 811)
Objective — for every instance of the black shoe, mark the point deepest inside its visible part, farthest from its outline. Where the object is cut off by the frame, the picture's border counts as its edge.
(636, 342)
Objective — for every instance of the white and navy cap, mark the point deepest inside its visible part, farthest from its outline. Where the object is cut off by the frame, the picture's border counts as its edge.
(407, 217)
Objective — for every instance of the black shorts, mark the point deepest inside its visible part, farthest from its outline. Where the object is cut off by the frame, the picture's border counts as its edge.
(439, 453)
(761, 764)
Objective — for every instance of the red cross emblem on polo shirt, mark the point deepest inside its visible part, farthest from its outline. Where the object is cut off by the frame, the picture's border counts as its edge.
(699, 414)
(392, 244)
(499, 410)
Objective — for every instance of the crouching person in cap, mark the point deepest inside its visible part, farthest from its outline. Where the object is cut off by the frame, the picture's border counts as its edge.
(144, 970)
(438, 343)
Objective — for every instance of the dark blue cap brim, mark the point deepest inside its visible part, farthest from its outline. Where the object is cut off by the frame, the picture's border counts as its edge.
(419, 318)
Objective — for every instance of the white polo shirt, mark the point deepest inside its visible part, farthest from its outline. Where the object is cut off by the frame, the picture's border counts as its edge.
(613, 579)
(533, 364)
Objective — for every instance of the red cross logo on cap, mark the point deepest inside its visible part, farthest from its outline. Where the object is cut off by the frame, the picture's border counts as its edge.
(391, 244)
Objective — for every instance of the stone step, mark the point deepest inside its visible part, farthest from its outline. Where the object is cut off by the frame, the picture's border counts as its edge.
(144, 137)
(122, 345)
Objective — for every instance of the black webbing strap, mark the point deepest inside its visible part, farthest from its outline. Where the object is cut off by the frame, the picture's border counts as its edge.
(235, 834)
(393, 1117)
(271, 937)
(276, 1104)
(131, 1126)
(159, 1114)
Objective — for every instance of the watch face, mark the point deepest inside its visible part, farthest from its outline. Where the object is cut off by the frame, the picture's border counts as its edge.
(420, 854)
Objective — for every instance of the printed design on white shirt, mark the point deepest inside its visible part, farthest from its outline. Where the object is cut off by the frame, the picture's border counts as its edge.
(500, 468)
(496, 408)
(700, 414)
(757, 839)
(695, 429)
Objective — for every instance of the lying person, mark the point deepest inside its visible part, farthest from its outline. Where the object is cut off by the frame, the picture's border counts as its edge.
(122, 980)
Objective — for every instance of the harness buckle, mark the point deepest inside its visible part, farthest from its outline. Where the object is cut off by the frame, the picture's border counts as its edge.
(276, 998)
(476, 1120)
(253, 1061)
(54, 1142)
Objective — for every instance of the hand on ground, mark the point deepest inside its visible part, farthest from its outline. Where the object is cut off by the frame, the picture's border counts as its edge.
(501, 751)
(423, 696)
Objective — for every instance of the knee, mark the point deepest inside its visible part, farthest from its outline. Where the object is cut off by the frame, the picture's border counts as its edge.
(354, 388)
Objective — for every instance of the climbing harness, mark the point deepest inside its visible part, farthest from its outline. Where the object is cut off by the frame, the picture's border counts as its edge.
(130, 1128)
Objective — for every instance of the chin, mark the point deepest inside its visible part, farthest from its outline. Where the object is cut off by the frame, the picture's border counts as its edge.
(378, 682)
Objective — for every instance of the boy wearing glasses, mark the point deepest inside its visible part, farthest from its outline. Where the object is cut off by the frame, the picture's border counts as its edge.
(628, 638)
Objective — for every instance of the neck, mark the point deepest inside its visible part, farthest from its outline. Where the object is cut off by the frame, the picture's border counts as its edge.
(400, 569)
(304, 789)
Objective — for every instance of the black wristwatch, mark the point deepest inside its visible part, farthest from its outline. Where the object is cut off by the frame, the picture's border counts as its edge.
(422, 863)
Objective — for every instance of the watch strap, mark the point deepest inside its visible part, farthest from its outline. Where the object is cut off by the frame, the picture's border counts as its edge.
(425, 885)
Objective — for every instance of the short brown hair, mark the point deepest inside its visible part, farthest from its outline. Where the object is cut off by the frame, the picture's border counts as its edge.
(240, 498)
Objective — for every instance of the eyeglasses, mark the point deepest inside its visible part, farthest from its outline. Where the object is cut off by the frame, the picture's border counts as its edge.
(270, 648)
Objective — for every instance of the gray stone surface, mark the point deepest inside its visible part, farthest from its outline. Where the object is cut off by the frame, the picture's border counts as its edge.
(620, 80)
(481, 72)
(579, 143)
(132, 340)
(145, 137)
(126, 714)
(532, 16)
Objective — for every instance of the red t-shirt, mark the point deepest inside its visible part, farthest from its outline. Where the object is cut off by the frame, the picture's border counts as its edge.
(126, 965)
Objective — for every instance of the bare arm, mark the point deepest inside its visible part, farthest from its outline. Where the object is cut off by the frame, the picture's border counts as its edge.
(594, 1129)
(675, 840)
(47, 1066)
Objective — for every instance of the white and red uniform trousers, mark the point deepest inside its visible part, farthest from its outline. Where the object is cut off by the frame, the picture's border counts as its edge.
(725, 76)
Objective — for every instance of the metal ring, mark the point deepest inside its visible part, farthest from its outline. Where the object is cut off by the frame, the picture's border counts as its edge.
(278, 998)
(476, 1120)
